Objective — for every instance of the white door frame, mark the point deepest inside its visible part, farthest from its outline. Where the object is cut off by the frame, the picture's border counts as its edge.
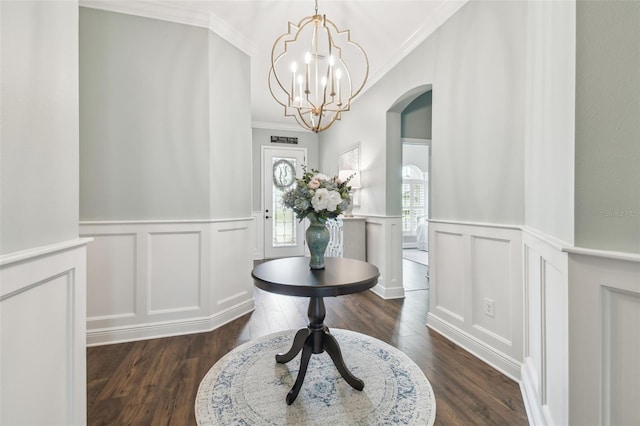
(269, 251)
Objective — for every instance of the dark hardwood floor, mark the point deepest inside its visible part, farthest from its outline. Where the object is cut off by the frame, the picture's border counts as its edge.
(154, 382)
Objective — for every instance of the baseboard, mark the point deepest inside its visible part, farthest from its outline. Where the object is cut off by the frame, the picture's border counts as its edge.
(388, 293)
(114, 335)
(501, 362)
(532, 404)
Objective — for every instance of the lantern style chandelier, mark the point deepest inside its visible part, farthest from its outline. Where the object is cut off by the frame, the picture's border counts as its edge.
(309, 74)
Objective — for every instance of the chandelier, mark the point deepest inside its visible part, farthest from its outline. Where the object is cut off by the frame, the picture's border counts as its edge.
(309, 75)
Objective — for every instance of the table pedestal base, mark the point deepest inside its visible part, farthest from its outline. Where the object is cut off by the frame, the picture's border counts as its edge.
(316, 339)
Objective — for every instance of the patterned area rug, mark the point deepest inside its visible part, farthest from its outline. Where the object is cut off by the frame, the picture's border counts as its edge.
(247, 386)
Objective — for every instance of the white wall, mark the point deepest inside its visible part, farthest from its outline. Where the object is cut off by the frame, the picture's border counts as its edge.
(417, 155)
(42, 260)
(475, 64)
(39, 132)
(550, 118)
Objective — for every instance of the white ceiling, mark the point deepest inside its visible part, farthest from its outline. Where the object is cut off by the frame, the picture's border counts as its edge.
(386, 29)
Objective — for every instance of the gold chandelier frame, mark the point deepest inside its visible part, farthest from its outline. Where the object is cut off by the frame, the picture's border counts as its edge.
(317, 96)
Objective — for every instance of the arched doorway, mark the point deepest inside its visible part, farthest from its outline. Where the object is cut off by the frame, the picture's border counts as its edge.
(413, 209)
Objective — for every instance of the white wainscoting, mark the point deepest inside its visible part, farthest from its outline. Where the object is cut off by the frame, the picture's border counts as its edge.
(384, 250)
(149, 279)
(258, 240)
(42, 306)
(545, 375)
(604, 338)
(470, 265)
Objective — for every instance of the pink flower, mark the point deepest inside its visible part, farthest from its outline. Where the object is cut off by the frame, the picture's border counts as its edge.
(314, 184)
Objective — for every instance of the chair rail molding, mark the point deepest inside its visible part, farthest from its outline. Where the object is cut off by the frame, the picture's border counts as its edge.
(149, 279)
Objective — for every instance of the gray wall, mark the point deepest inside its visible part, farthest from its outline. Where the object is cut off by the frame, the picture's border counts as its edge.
(416, 118)
(165, 121)
(143, 118)
(230, 130)
(39, 124)
(607, 196)
(262, 137)
(474, 63)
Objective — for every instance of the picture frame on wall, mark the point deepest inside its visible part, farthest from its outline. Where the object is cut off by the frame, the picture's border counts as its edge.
(350, 160)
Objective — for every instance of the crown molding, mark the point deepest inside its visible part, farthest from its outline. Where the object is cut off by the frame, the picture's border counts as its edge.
(147, 9)
(278, 126)
(432, 23)
(170, 13)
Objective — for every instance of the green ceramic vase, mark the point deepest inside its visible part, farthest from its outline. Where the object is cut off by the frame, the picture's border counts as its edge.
(317, 239)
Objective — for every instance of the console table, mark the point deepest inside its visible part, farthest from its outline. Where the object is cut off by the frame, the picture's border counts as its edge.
(293, 277)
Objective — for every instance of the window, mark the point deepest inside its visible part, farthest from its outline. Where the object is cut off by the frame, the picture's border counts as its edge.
(413, 199)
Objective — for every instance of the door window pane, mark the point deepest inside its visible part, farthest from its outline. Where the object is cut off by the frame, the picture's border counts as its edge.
(284, 220)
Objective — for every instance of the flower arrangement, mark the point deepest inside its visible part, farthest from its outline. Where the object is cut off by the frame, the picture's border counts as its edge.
(318, 196)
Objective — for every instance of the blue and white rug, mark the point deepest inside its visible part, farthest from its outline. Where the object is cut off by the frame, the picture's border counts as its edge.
(248, 387)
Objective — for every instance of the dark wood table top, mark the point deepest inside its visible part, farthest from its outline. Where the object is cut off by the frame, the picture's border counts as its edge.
(292, 276)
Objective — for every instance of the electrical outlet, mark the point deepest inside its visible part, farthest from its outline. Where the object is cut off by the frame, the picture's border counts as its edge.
(488, 307)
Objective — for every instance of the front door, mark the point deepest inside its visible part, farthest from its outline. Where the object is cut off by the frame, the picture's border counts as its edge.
(283, 234)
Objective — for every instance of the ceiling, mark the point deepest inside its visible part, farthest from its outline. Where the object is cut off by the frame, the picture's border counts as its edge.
(386, 29)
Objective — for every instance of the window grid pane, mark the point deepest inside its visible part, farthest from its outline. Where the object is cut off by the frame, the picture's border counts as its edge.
(413, 205)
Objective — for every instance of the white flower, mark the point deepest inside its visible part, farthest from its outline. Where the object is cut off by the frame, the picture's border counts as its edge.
(320, 199)
(320, 176)
(324, 199)
(334, 200)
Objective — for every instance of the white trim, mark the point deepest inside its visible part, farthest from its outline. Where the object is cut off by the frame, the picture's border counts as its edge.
(161, 222)
(172, 13)
(482, 224)
(498, 360)
(141, 299)
(278, 126)
(43, 299)
(32, 254)
(113, 335)
(388, 293)
(532, 405)
(548, 239)
(384, 250)
(377, 216)
(258, 245)
(415, 141)
(153, 10)
(615, 255)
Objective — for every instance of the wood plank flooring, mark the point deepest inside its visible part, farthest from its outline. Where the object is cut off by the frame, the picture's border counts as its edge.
(154, 382)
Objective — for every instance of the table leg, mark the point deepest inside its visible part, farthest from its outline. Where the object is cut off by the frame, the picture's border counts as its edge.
(333, 349)
(316, 339)
(307, 350)
(296, 347)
